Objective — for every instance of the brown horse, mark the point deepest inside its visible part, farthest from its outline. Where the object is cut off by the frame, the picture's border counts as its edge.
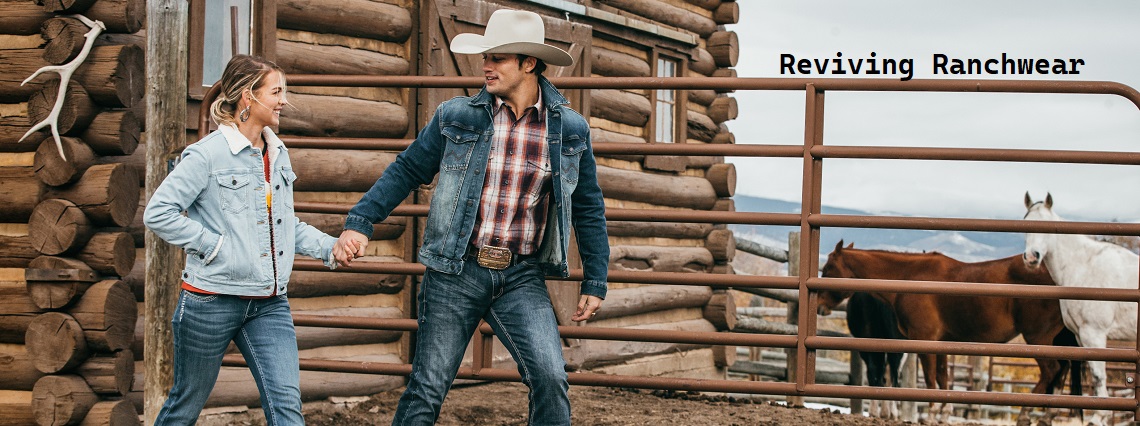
(958, 318)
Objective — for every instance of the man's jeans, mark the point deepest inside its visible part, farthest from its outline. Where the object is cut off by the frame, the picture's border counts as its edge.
(514, 301)
(263, 330)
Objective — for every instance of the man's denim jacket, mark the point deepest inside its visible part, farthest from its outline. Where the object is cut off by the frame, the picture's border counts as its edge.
(220, 184)
(456, 144)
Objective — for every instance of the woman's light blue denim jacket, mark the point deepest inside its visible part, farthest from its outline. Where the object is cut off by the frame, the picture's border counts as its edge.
(220, 184)
(456, 144)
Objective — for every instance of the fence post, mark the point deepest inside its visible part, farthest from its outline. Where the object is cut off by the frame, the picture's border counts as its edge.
(793, 315)
(856, 379)
(908, 410)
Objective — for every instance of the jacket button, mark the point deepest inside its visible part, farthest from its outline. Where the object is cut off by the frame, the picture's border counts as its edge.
(280, 252)
(234, 182)
(277, 187)
(185, 275)
(278, 221)
(201, 256)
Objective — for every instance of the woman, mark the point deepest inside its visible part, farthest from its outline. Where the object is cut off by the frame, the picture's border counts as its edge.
(239, 234)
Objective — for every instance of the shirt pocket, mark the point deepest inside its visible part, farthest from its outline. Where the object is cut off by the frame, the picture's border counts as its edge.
(234, 190)
(535, 177)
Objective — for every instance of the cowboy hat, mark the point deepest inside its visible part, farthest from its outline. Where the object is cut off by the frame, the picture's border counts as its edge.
(512, 31)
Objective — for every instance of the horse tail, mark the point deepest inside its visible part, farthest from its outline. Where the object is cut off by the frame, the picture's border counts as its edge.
(1076, 367)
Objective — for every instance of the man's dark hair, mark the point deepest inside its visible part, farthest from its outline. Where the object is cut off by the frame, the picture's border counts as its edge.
(539, 65)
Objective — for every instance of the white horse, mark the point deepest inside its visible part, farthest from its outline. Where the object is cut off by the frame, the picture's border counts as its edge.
(1080, 261)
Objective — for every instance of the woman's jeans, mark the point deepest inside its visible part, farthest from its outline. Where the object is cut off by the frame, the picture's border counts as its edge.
(263, 330)
(514, 301)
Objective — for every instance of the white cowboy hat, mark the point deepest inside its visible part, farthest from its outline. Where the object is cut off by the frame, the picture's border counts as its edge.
(512, 31)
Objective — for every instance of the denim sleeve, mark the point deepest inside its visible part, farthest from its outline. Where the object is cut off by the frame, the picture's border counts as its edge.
(314, 243)
(589, 215)
(163, 214)
(416, 166)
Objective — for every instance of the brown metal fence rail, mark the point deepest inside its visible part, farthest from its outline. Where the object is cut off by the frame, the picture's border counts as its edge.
(810, 220)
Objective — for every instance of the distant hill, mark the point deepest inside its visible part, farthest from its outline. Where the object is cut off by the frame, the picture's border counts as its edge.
(964, 246)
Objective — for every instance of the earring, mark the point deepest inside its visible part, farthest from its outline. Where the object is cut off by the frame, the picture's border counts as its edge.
(244, 115)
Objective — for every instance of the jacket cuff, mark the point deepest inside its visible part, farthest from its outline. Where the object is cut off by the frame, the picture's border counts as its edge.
(326, 252)
(594, 288)
(358, 224)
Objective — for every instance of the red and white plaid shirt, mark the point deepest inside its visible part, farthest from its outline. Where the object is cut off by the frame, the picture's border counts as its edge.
(512, 212)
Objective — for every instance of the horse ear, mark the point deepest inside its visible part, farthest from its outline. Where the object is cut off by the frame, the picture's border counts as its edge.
(1028, 201)
(1048, 200)
(851, 245)
(839, 245)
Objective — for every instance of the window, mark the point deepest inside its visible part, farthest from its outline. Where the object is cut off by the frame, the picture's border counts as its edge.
(218, 28)
(666, 103)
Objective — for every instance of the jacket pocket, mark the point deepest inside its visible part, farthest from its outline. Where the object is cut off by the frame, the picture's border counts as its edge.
(460, 143)
(288, 180)
(233, 188)
(572, 148)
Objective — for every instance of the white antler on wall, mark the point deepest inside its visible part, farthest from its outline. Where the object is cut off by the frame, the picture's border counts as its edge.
(64, 72)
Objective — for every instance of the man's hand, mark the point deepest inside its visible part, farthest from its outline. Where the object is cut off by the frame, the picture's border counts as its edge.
(349, 246)
(587, 307)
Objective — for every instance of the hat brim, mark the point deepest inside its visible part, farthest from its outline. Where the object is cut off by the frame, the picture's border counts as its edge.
(474, 44)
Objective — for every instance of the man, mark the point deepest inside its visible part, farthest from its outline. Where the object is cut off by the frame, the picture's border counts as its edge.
(516, 169)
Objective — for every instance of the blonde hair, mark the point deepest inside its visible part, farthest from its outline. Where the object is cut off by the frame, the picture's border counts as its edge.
(243, 72)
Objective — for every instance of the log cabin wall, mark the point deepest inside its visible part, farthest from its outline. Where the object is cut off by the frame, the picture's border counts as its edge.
(65, 340)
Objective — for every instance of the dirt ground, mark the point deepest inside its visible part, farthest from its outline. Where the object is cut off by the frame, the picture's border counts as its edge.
(506, 404)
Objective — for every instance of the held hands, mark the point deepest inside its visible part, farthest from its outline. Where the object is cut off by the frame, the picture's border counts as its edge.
(349, 246)
(587, 307)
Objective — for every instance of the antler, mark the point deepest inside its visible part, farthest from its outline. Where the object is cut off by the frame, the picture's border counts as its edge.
(64, 72)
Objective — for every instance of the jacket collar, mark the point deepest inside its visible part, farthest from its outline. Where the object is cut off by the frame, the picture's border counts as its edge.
(549, 96)
(238, 141)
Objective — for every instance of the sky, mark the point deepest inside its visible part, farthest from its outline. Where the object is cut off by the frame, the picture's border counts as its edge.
(1104, 34)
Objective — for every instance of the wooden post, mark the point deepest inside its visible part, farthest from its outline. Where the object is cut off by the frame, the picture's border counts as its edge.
(167, 27)
(793, 314)
(856, 379)
(908, 410)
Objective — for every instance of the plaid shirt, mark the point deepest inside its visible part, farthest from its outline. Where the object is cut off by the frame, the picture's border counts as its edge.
(512, 212)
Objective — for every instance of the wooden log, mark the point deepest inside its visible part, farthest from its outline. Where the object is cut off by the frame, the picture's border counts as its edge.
(705, 4)
(665, 163)
(704, 161)
(55, 343)
(107, 314)
(639, 300)
(49, 295)
(113, 75)
(19, 196)
(723, 179)
(113, 132)
(65, 36)
(620, 106)
(112, 413)
(16, 369)
(16, 406)
(723, 108)
(725, 72)
(660, 259)
(678, 230)
(724, 356)
(136, 161)
(724, 46)
(668, 14)
(107, 193)
(58, 226)
(15, 66)
(725, 205)
(22, 17)
(675, 191)
(110, 253)
(721, 244)
(76, 114)
(356, 18)
(62, 400)
(16, 251)
(721, 311)
(136, 280)
(606, 352)
(702, 62)
(354, 118)
(65, 6)
(53, 170)
(701, 127)
(13, 125)
(332, 224)
(109, 373)
(120, 16)
(338, 170)
(727, 13)
(317, 283)
(16, 312)
(601, 135)
(702, 97)
(723, 137)
(612, 63)
(316, 337)
(305, 58)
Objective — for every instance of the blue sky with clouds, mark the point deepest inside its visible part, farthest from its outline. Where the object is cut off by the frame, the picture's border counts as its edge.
(1104, 34)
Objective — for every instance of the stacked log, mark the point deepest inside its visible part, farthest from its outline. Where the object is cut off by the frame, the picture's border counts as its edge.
(66, 327)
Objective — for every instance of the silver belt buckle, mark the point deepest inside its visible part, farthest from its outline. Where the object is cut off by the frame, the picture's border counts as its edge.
(492, 257)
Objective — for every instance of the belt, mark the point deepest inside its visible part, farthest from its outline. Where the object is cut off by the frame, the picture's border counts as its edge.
(495, 257)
